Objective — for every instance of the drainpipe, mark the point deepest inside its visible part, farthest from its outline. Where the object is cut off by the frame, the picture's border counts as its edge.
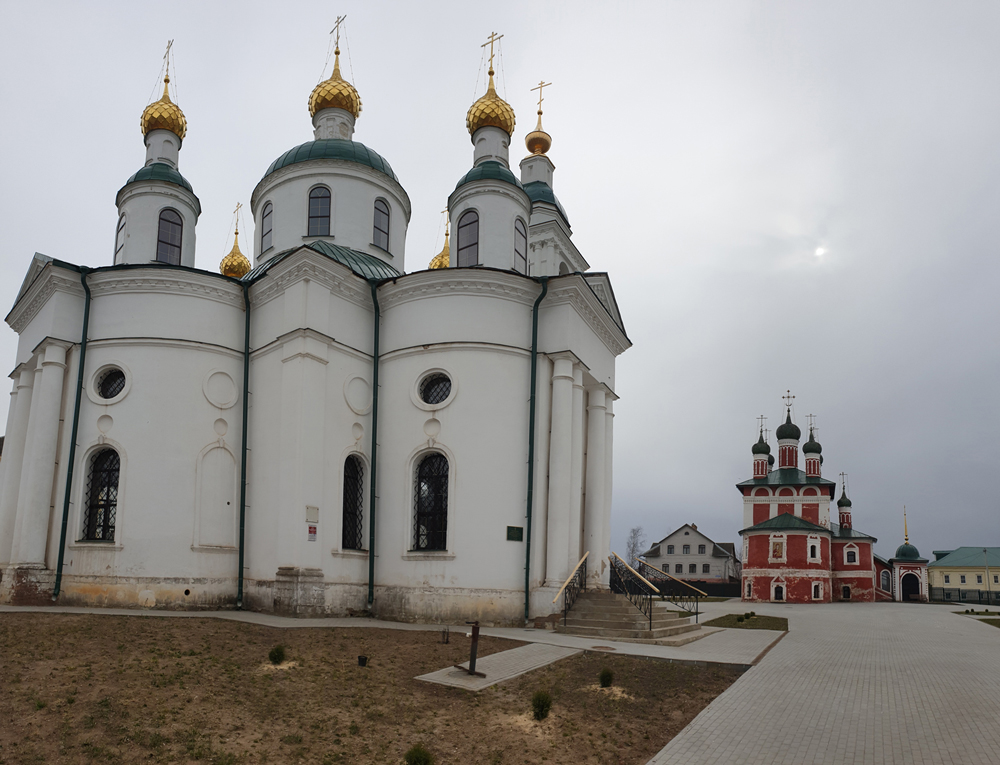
(371, 491)
(73, 432)
(243, 457)
(531, 443)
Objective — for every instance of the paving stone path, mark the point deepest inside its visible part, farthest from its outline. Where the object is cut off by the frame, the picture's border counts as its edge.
(858, 683)
(500, 666)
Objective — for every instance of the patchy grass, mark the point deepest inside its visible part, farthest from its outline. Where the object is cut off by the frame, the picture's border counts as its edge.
(753, 623)
(979, 613)
(91, 688)
(991, 622)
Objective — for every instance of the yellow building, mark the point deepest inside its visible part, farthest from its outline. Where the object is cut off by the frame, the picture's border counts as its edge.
(968, 574)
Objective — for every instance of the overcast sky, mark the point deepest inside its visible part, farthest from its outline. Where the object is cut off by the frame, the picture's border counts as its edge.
(705, 153)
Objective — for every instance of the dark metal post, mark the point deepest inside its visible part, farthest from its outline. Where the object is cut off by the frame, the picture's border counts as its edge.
(473, 650)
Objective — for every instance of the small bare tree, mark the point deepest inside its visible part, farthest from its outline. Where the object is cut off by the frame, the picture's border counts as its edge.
(635, 545)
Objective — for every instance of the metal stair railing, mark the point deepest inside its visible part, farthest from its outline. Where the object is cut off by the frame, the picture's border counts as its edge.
(571, 587)
(677, 591)
(626, 581)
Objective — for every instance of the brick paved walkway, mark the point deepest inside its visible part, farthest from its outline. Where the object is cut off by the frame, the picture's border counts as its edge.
(858, 683)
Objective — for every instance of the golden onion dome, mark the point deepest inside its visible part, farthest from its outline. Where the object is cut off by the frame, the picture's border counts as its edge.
(490, 111)
(335, 93)
(538, 141)
(164, 115)
(235, 264)
(443, 258)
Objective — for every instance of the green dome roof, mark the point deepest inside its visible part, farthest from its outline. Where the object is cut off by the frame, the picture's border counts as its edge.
(539, 191)
(812, 445)
(160, 171)
(761, 446)
(843, 501)
(788, 429)
(333, 148)
(770, 459)
(489, 171)
(907, 552)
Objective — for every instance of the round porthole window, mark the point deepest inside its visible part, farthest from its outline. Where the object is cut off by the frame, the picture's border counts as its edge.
(110, 383)
(435, 388)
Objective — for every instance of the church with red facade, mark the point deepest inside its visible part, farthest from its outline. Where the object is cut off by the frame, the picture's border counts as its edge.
(792, 551)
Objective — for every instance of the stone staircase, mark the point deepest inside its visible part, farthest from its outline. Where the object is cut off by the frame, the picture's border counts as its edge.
(603, 614)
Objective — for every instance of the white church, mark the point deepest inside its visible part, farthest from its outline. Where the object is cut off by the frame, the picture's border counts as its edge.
(320, 432)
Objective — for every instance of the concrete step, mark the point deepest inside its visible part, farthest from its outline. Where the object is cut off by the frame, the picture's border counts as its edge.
(623, 611)
(611, 623)
(633, 634)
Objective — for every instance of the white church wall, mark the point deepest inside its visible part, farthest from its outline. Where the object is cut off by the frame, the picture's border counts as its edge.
(498, 204)
(353, 191)
(141, 203)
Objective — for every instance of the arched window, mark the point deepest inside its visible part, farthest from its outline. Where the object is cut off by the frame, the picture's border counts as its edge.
(852, 557)
(168, 240)
(354, 504)
(468, 239)
(812, 551)
(380, 229)
(749, 589)
(816, 591)
(119, 237)
(430, 526)
(265, 227)
(102, 496)
(319, 212)
(886, 582)
(520, 247)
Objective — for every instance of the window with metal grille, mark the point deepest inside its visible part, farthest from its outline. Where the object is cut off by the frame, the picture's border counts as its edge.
(354, 504)
(119, 237)
(520, 247)
(102, 496)
(435, 388)
(168, 239)
(886, 583)
(693, 568)
(111, 383)
(380, 233)
(430, 526)
(852, 557)
(319, 212)
(265, 227)
(468, 239)
(679, 568)
(706, 568)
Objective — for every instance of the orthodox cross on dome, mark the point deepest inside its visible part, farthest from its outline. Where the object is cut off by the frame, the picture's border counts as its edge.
(767, 434)
(447, 221)
(788, 398)
(541, 84)
(236, 214)
(811, 418)
(336, 29)
(843, 483)
(494, 38)
(761, 420)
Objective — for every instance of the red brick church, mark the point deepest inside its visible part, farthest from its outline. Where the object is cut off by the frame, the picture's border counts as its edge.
(792, 551)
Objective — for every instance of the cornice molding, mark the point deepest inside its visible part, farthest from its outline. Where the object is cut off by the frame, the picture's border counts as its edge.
(588, 306)
(154, 279)
(309, 264)
(51, 280)
(487, 186)
(457, 281)
(551, 233)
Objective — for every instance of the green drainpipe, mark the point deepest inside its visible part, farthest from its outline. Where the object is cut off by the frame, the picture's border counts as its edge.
(73, 432)
(243, 458)
(371, 491)
(531, 443)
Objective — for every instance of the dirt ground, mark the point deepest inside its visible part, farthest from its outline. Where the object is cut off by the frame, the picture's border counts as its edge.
(84, 689)
(753, 623)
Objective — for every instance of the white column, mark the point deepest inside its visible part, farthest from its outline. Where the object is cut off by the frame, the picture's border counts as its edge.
(573, 549)
(34, 499)
(17, 426)
(595, 517)
(540, 495)
(560, 472)
(608, 473)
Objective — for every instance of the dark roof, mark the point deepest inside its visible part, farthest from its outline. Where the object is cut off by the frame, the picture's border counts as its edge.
(786, 521)
(364, 265)
(788, 429)
(939, 554)
(761, 446)
(729, 548)
(789, 477)
(906, 551)
(160, 171)
(812, 445)
(970, 556)
(842, 533)
(539, 191)
(333, 148)
(843, 501)
(489, 171)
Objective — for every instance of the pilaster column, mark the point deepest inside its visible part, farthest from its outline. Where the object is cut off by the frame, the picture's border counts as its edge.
(560, 472)
(609, 417)
(595, 517)
(575, 532)
(10, 465)
(34, 499)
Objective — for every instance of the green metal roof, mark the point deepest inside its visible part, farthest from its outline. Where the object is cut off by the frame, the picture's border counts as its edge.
(333, 148)
(539, 191)
(786, 521)
(364, 265)
(789, 477)
(489, 171)
(970, 556)
(841, 533)
(906, 551)
(160, 171)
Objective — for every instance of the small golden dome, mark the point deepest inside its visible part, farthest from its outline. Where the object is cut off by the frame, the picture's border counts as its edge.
(538, 141)
(235, 264)
(335, 93)
(443, 258)
(490, 111)
(164, 115)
